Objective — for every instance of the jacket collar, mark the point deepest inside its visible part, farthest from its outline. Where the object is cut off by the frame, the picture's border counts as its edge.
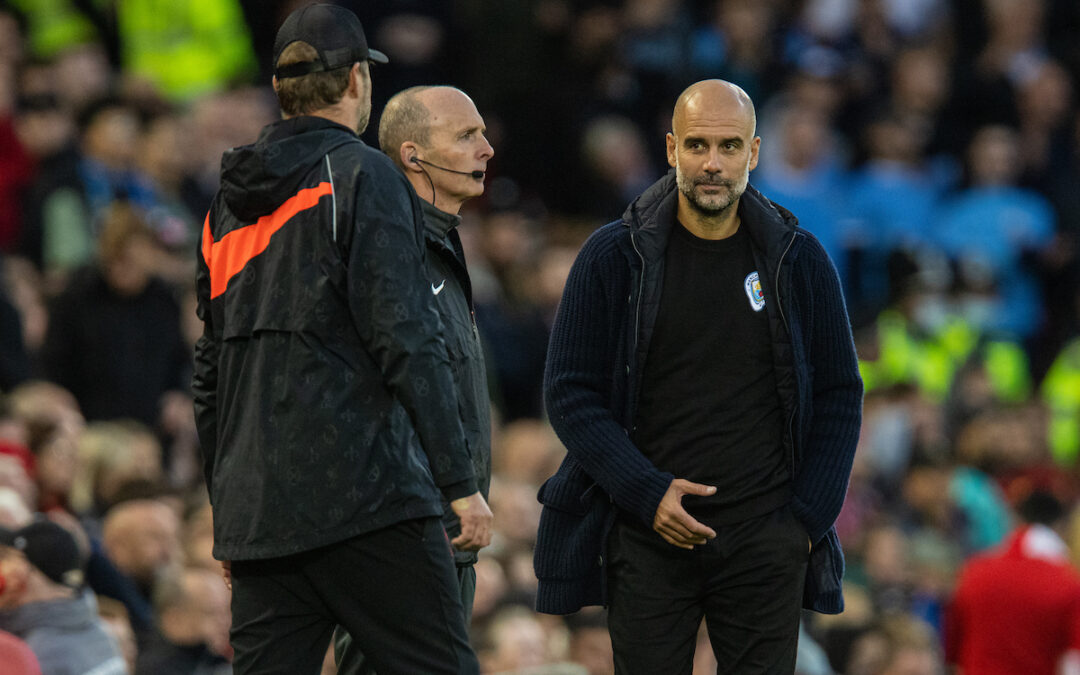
(438, 223)
(651, 216)
(298, 125)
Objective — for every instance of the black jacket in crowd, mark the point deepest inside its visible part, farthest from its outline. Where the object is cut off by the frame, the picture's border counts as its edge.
(453, 296)
(323, 394)
(117, 354)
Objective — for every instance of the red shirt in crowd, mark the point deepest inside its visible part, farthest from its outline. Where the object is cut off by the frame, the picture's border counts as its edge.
(1017, 609)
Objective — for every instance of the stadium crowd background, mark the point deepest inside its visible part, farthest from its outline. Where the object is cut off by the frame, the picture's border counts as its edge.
(932, 145)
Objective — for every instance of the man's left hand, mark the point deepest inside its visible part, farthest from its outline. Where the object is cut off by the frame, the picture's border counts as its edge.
(475, 517)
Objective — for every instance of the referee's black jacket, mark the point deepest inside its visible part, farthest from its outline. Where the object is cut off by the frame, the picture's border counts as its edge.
(323, 393)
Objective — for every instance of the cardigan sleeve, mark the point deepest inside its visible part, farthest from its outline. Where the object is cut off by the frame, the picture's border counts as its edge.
(582, 370)
(835, 415)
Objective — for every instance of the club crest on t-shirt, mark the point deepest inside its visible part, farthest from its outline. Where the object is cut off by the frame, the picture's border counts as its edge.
(752, 284)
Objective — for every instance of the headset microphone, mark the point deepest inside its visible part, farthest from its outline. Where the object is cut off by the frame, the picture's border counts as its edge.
(473, 174)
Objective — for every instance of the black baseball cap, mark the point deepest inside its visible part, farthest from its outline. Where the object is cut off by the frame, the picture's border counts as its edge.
(334, 32)
(50, 548)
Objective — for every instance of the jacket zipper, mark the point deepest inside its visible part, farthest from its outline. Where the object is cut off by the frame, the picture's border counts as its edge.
(780, 308)
(637, 328)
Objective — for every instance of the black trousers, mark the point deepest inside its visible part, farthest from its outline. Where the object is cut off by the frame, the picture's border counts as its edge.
(350, 658)
(395, 590)
(747, 583)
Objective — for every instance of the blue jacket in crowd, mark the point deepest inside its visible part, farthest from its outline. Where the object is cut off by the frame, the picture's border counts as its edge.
(595, 361)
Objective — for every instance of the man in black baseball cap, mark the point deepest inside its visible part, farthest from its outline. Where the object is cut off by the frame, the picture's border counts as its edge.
(334, 32)
(324, 396)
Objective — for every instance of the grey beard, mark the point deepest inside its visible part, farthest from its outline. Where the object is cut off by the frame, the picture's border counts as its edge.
(686, 186)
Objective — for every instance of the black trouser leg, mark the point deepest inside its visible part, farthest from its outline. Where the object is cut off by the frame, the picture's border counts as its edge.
(747, 583)
(753, 602)
(395, 590)
(654, 603)
(350, 658)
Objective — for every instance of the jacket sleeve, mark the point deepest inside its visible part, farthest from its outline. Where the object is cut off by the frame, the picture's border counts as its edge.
(207, 349)
(579, 377)
(394, 311)
(833, 422)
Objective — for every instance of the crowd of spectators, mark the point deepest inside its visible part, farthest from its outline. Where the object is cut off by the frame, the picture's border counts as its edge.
(933, 146)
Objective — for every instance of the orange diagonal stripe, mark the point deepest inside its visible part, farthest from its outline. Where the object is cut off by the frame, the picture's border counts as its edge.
(229, 255)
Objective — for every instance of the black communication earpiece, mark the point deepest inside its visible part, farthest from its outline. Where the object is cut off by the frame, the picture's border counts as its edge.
(477, 175)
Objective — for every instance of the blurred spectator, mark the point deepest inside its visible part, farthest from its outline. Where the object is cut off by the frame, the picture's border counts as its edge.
(899, 645)
(614, 152)
(1017, 610)
(42, 602)
(14, 511)
(14, 362)
(510, 322)
(44, 405)
(919, 80)
(515, 642)
(198, 537)
(67, 202)
(112, 455)
(1044, 101)
(54, 451)
(16, 163)
(163, 162)
(141, 537)
(1061, 395)
(26, 291)
(192, 606)
(115, 618)
(590, 643)
(114, 334)
(892, 199)
(804, 172)
(186, 48)
(736, 42)
(993, 229)
(55, 25)
(527, 451)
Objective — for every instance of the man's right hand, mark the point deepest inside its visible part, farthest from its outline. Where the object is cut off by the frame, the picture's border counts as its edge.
(674, 524)
(475, 517)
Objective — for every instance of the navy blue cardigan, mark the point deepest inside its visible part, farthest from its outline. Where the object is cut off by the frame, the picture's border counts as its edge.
(595, 360)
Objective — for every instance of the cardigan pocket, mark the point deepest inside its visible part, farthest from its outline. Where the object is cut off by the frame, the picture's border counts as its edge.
(572, 523)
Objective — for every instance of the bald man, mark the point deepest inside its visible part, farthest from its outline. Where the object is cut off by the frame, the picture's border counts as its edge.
(435, 136)
(702, 376)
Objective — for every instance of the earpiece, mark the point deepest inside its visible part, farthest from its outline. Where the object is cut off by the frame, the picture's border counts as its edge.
(476, 175)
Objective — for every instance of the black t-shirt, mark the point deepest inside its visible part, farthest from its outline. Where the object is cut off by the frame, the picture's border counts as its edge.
(709, 410)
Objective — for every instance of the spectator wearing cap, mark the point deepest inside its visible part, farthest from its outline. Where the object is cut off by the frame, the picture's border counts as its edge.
(43, 602)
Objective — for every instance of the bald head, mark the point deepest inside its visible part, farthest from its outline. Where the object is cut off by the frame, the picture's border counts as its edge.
(718, 96)
(437, 128)
(410, 114)
(405, 118)
(713, 146)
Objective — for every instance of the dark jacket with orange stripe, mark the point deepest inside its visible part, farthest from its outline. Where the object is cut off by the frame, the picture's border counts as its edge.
(323, 392)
